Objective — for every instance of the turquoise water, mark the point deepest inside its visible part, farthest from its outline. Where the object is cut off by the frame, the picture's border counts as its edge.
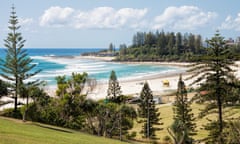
(58, 62)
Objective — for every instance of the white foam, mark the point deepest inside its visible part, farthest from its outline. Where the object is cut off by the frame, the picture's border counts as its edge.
(95, 67)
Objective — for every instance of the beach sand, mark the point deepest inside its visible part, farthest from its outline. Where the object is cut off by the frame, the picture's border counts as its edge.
(133, 87)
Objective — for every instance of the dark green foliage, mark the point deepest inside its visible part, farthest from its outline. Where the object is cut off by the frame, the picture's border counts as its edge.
(72, 86)
(90, 111)
(122, 49)
(37, 109)
(215, 74)
(71, 100)
(111, 48)
(183, 127)
(72, 110)
(110, 119)
(17, 65)
(12, 113)
(148, 112)
(161, 46)
(3, 88)
(67, 110)
(114, 89)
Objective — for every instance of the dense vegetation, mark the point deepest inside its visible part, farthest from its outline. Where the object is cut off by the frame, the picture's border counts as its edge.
(161, 46)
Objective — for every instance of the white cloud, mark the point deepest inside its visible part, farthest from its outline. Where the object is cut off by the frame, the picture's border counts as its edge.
(100, 17)
(231, 23)
(56, 16)
(25, 21)
(183, 18)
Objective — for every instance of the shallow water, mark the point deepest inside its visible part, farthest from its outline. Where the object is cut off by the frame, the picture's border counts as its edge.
(58, 62)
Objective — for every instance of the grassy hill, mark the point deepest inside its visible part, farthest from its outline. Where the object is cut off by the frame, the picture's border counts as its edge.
(167, 119)
(16, 132)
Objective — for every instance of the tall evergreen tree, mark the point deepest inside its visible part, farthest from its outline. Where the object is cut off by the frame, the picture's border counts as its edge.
(111, 47)
(114, 89)
(198, 44)
(183, 126)
(148, 112)
(17, 65)
(214, 72)
(178, 43)
(161, 44)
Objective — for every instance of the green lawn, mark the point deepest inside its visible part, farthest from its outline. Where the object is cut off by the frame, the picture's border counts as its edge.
(16, 132)
(167, 119)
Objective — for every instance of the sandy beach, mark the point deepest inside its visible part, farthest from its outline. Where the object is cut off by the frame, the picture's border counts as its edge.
(134, 86)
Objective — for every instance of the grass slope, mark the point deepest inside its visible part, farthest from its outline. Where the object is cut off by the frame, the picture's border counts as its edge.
(16, 132)
(167, 119)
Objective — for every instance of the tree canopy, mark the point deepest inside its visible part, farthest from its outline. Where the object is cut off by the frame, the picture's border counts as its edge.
(114, 89)
(17, 67)
(214, 71)
(148, 112)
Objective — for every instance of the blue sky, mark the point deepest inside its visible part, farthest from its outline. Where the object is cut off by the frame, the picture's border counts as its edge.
(97, 23)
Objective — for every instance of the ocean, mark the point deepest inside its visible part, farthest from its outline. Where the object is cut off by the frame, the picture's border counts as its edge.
(58, 62)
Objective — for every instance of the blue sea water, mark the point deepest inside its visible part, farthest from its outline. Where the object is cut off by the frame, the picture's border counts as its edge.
(58, 62)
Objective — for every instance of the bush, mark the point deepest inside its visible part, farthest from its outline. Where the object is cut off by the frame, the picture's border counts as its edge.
(32, 113)
(11, 113)
(132, 135)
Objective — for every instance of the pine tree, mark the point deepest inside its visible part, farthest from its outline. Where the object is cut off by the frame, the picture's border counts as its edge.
(114, 89)
(17, 65)
(148, 112)
(215, 74)
(183, 126)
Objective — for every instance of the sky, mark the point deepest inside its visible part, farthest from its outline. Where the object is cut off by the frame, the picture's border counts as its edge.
(97, 23)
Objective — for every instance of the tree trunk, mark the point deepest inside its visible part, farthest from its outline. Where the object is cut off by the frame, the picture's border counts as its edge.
(25, 111)
(219, 104)
(15, 96)
(219, 101)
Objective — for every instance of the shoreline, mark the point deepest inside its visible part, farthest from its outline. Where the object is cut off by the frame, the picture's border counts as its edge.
(134, 85)
(111, 58)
